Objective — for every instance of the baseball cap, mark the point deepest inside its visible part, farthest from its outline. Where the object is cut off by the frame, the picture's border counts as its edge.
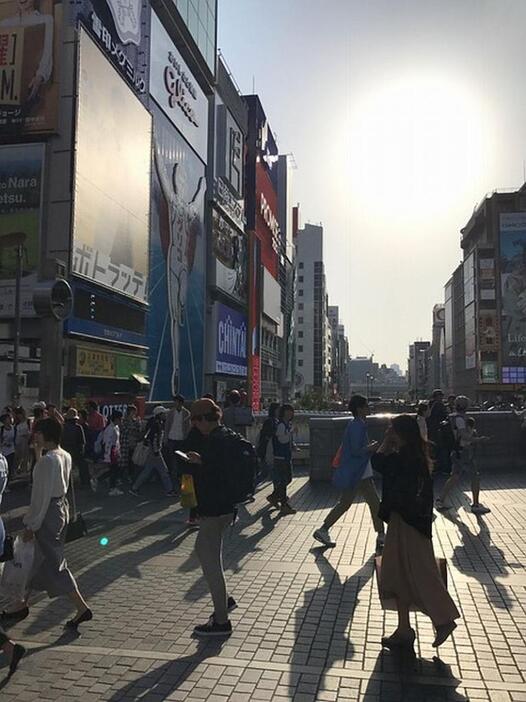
(159, 410)
(203, 407)
(40, 405)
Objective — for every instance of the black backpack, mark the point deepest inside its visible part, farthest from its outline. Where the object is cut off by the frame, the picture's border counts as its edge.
(242, 465)
(448, 435)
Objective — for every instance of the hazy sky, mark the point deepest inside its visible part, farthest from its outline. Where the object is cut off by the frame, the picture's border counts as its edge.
(401, 115)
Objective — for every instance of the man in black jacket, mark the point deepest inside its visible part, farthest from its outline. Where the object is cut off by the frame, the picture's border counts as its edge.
(208, 466)
(438, 414)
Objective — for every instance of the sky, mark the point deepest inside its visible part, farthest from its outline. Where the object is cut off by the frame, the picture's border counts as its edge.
(401, 115)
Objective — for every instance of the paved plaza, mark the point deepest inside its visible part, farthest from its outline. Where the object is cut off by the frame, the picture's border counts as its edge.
(309, 621)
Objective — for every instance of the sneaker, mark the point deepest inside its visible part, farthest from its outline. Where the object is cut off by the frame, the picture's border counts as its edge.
(172, 493)
(115, 492)
(94, 484)
(480, 509)
(273, 500)
(133, 492)
(322, 535)
(286, 509)
(192, 523)
(212, 628)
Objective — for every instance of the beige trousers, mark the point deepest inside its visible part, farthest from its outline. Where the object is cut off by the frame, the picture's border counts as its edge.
(367, 490)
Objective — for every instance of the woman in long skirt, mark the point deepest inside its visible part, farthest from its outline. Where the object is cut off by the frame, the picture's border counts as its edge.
(46, 523)
(409, 572)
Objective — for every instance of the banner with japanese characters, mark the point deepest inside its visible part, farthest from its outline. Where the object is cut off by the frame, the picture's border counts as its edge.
(121, 31)
(21, 167)
(30, 46)
(112, 178)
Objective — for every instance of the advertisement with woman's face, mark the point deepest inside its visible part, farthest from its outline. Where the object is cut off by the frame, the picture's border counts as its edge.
(30, 36)
(513, 288)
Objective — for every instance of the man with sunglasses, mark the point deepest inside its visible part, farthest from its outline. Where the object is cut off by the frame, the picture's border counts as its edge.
(208, 465)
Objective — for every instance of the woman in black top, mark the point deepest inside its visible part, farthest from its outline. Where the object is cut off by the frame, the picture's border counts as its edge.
(409, 572)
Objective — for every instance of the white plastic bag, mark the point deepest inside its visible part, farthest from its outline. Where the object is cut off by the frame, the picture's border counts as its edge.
(16, 572)
(140, 454)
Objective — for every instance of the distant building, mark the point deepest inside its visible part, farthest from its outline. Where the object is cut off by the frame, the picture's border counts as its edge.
(340, 354)
(419, 370)
(313, 349)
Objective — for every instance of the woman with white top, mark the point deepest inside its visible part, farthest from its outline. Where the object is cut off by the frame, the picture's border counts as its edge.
(422, 413)
(46, 522)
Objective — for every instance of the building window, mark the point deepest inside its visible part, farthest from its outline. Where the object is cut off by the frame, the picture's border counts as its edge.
(300, 335)
(300, 279)
(300, 320)
(300, 362)
(300, 349)
(300, 293)
(300, 306)
(300, 265)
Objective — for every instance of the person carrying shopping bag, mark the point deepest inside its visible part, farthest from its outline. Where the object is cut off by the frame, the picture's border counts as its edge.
(46, 524)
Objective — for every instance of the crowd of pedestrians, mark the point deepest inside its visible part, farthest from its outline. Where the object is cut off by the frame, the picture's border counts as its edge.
(201, 453)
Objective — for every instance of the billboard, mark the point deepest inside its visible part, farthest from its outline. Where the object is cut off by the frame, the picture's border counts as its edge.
(231, 348)
(231, 253)
(254, 313)
(112, 179)
(513, 295)
(176, 91)
(30, 44)
(488, 332)
(20, 205)
(120, 30)
(175, 322)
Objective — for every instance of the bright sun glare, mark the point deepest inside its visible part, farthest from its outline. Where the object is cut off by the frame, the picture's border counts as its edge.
(418, 144)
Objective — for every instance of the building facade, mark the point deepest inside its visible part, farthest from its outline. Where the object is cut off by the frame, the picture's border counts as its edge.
(419, 370)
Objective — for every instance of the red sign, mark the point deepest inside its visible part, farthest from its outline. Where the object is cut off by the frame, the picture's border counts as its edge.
(254, 314)
(267, 227)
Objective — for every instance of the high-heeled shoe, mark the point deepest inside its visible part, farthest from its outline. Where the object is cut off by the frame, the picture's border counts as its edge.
(18, 653)
(86, 616)
(442, 633)
(13, 617)
(399, 640)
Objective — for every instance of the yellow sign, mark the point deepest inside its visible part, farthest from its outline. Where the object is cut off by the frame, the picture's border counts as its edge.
(95, 364)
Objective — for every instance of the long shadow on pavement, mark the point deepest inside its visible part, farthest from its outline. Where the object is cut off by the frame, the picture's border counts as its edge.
(400, 675)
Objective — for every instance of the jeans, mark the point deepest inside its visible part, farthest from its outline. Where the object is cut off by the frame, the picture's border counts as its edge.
(158, 464)
(367, 489)
(113, 473)
(209, 549)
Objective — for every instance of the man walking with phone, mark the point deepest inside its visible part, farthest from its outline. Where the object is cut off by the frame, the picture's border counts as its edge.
(354, 474)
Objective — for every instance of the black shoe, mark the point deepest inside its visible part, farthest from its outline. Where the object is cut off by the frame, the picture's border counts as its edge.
(13, 617)
(86, 616)
(212, 628)
(18, 653)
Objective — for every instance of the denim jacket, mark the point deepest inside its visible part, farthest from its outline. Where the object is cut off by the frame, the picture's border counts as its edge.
(354, 457)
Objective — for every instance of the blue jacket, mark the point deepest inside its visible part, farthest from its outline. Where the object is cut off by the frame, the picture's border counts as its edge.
(354, 457)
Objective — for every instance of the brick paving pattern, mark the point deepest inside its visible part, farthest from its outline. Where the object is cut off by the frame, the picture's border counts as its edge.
(309, 622)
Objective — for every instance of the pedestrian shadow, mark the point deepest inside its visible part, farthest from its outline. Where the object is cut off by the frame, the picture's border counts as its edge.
(160, 682)
(101, 575)
(474, 548)
(322, 623)
(400, 675)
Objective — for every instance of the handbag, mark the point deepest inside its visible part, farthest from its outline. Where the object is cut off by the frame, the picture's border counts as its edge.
(76, 527)
(16, 572)
(389, 603)
(140, 454)
(337, 457)
(188, 496)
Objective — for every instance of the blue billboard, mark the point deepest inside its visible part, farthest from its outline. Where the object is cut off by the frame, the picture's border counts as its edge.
(175, 323)
(231, 349)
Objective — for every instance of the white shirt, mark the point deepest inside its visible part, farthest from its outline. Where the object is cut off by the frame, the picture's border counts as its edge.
(111, 439)
(50, 479)
(176, 432)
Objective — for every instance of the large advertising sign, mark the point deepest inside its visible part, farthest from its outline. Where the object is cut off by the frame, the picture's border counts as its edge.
(176, 91)
(254, 311)
(121, 32)
(30, 44)
(231, 253)
(177, 266)
(112, 179)
(513, 296)
(488, 332)
(20, 204)
(267, 226)
(231, 349)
